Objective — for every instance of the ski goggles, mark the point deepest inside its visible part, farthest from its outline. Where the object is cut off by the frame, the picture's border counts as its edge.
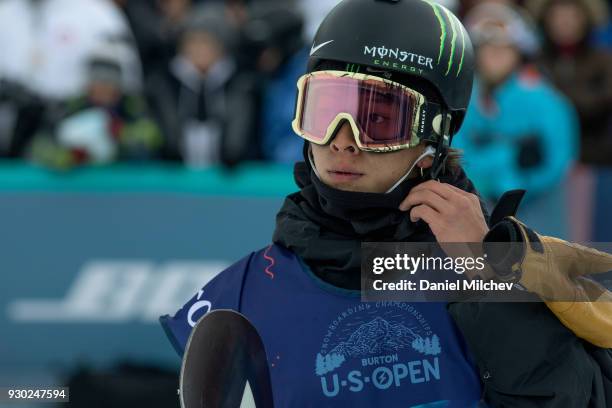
(384, 115)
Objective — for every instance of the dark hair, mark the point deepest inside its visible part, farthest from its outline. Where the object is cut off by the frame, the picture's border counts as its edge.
(454, 159)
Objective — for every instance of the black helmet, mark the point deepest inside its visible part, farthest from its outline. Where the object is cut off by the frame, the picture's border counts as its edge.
(415, 37)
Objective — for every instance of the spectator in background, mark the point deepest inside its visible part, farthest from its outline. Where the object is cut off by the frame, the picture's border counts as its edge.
(237, 12)
(602, 37)
(314, 12)
(156, 25)
(103, 125)
(45, 43)
(206, 107)
(272, 39)
(21, 111)
(581, 71)
(518, 132)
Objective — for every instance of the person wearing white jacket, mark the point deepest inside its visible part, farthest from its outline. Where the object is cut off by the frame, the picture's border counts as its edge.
(45, 43)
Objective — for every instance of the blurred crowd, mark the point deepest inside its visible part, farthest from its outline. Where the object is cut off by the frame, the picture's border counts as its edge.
(542, 99)
(198, 82)
(213, 82)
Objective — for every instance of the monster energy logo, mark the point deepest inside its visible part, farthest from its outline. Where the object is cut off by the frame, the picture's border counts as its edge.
(353, 68)
(410, 61)
(455, 25)
(398, 54)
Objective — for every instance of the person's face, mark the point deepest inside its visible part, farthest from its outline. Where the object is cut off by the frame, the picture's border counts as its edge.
(496, 62)
(102, 93)
(269, 60)
(174, 10)
(236, 12)
(566, 23)
(201, 49)
(343, 166)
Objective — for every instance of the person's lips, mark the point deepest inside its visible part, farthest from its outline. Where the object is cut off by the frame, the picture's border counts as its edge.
(344, 174)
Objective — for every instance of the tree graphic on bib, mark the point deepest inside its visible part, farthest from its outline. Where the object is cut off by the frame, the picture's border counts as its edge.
(377, 346)
(376, 337)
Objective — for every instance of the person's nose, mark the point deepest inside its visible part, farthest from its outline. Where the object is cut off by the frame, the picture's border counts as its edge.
(344, 141)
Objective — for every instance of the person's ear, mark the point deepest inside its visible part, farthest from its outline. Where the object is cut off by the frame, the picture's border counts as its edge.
(425, 162)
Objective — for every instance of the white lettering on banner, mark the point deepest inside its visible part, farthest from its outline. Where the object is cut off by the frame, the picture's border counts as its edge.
(119, 291)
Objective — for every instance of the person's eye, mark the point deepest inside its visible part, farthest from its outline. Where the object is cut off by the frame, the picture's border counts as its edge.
(377, 118)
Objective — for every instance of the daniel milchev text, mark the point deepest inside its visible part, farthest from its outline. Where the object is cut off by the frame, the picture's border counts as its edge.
(423, 264)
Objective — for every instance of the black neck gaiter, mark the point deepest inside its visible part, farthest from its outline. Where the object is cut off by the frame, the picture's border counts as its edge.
(325, 226)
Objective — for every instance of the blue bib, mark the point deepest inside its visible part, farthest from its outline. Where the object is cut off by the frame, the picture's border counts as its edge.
(327, 348)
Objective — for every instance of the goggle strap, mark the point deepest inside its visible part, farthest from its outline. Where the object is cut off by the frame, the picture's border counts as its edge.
(441, 154)
(425, 131)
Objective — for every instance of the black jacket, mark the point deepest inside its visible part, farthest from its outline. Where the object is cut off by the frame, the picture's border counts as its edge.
(527, 358)
(229, 100)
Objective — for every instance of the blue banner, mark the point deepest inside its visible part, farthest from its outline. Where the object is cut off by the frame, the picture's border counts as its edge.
(85, 274)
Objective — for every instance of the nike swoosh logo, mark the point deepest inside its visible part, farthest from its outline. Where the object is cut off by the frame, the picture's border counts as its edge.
(315, 49)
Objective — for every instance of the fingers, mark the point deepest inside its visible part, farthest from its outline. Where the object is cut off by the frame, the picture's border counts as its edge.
(425, 213)
(453, 215)
(457, 198)
(442, 189)
(472, 197)
(428, 197)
